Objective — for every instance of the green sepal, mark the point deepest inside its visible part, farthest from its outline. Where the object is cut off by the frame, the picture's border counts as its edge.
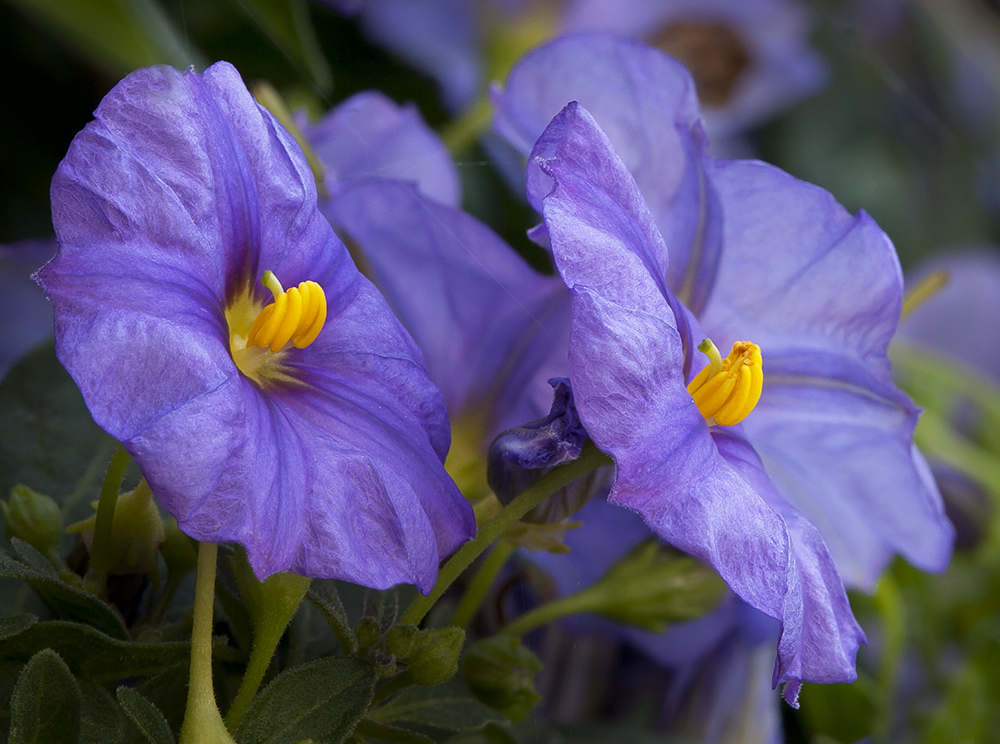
(45, 706)
(450, 706)
(34, 518)
(146, 716)
(90, 653)
(322, 700)
(65, 601)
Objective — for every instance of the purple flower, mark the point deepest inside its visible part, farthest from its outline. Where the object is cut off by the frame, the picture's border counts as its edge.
(751, 59)
(831, 436)
(962, 320)
(368, 136)
(316, 446)
(27, 317)
(717, 217)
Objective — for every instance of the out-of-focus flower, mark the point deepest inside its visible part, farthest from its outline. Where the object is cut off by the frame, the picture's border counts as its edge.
(181, 212)
(27, 316)
(962, 319)
(750, 59)
(831, 437)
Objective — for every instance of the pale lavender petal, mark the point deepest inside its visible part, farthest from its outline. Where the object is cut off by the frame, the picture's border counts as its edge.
(438, 37)
(962, 320)
(371, 136)
(491, 328)
(644, 102)
(819, 291)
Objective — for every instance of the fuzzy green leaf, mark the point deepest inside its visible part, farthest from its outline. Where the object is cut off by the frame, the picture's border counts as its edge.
(45, 706)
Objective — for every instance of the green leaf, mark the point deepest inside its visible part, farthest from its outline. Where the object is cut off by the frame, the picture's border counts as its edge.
(48, 440)
(394, 734)
(11, 626)
(323, 700)
(449, 706)
(45, 706)
(116, 36)
(324, 595)
(287, 25)
(146, 716)
(65, 601)
(101, 720)
(90, 653)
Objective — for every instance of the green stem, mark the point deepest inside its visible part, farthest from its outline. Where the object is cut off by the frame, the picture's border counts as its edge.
(481, 582)
(590, 459)
(100, 551)
(272, 604)
(544, 614)
(202, 721)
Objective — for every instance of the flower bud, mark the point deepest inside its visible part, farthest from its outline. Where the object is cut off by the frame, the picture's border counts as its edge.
(434, 656)
(34, 518)
(653, 586)
(136, 533)
(501, 672)
(520, 456)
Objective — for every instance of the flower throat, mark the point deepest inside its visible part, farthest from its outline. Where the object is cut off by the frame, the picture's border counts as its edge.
(727, 390)
(258, 337)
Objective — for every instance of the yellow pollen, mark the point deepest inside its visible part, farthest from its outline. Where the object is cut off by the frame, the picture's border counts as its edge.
(296, 315)
(727, 390)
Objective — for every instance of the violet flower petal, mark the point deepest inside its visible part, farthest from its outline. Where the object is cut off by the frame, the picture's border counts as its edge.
(646, 105)
(168, 206)
(823, 308)
(703, 491)
(491, 328)
(371, 136)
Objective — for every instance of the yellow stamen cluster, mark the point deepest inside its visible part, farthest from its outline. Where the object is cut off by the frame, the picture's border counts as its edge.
(727, 390)
(296, 315)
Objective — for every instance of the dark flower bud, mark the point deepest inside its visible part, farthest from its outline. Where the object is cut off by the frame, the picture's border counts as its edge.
(520, 456)
(501, 672)
(34, 518)
(434, 656)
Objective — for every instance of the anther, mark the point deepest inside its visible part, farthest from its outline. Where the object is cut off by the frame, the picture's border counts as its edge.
(296, 315)
(727, 390)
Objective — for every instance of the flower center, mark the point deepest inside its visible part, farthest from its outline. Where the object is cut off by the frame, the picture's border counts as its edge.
(713, 52)
(728, 389)
(259, 336)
